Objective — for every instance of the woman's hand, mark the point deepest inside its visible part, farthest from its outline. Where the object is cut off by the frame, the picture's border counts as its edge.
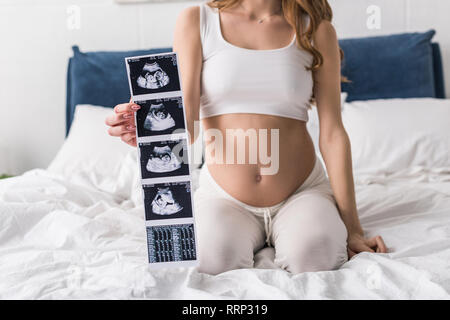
(122, 122)
(356, 243)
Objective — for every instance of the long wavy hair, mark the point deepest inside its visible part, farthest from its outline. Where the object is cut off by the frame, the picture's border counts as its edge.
(294, 11)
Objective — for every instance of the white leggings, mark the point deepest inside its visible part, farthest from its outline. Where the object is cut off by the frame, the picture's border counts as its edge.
(305, 229)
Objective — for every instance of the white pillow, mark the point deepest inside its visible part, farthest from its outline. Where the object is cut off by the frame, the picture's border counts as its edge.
(393, 135)
(90, 156)
(388, 136)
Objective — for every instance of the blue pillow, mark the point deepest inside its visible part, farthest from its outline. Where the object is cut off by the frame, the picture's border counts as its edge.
(99, 78)
(394, 66)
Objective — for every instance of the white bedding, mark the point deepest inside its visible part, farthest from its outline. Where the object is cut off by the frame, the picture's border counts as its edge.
(63, 240)
(77, 230)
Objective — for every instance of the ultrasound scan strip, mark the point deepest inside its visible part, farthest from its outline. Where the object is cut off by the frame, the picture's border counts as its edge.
(163, 159)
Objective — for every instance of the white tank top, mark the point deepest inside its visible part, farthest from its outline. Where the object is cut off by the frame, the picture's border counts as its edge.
(238, 80)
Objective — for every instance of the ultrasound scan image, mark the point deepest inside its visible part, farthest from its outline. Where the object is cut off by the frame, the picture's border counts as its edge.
(164, 203)
(164, 159)
(154, 74)
(171, 243)
(152, 77)
(160, 117)
(170, 200)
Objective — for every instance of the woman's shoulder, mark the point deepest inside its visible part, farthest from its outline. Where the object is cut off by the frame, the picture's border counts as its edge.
(189, 15)
(188, 22)
(197, 14)
(325, 32)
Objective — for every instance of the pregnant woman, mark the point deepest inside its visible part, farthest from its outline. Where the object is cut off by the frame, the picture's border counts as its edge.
(248, 65)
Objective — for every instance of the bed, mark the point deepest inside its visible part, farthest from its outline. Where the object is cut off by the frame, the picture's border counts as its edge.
(75, 230)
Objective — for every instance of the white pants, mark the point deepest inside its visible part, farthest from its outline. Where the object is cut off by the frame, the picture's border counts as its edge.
(306, 229)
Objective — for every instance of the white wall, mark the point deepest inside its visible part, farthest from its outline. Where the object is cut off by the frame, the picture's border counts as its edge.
(36, 38)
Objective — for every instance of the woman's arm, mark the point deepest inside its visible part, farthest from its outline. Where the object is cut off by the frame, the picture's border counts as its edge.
(334, 142)
(187, 44)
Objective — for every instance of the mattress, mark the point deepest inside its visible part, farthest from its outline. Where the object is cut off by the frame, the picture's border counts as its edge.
(66, 240)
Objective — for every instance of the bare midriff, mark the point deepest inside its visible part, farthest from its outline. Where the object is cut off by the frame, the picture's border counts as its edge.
(246, 182)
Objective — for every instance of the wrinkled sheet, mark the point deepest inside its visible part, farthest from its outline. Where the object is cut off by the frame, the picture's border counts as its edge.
(62, 240)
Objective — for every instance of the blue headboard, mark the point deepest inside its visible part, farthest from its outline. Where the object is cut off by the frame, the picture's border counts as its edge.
(99, 78)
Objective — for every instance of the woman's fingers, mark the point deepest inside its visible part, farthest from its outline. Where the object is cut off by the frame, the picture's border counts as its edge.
(371, 242)
(362, 247)
(119, 118)
(375, 244)
(378, 243)
(122, 113)
(117, 131)
(133, 142)
(128, 137)
(126, 107)
(122, 122)
(381, 245)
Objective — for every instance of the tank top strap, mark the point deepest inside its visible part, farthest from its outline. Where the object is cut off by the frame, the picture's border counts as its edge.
(209, 30)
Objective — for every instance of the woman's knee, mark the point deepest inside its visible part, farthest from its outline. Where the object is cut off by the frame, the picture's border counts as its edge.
(226, 239)
(310, 236)
(320, 251)
(222, 251)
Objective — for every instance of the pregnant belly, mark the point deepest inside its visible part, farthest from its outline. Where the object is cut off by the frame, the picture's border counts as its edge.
(261, 159)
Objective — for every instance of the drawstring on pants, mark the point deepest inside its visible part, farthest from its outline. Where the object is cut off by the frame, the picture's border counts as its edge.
(268, 225)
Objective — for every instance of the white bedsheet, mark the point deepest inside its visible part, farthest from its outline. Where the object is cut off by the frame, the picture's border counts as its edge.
(62, 240)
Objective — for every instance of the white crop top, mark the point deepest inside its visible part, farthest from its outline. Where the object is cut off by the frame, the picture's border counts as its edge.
(240, 80)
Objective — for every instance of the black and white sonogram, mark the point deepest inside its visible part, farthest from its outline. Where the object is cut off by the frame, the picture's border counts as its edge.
(170, 200)
(164, 159)
(154, 74)
(170, 243)
(160, 116)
